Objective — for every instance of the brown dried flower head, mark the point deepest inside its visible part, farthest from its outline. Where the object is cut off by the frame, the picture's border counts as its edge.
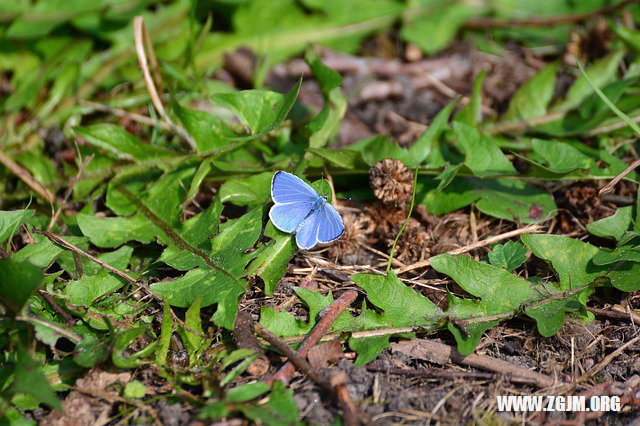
(381, 220)
(413, 243)
(348, 245)
(391, 182)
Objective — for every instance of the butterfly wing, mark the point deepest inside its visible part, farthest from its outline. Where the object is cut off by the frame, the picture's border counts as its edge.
(287, 188)
(322, 226)
(287, 217)
(293, 199)
(307, 232)
(331, 225)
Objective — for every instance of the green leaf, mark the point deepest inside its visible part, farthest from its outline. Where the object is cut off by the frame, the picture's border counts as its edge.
(613, 226)
(10, 220)
(39, 165)
(42, 253)
(195, 231)
(247, 392)
(91, 351)
(166, 331)
(345, 158)
(626, 250)
(135, 390)
(402, 306)
(123, 356)
(208, 131)
(380, 147)
(281, 401)
(471, 113)
(109, 232)
(214, 287)
(502, 198)
(600, 73)
(192, 320)
(271, 264)
(28, 378)
(501, 294)
(482, 155)
(90, 287)
(585, 75)
(229, 246)
(116, 140)
(283, 324)
(570, 258)
(203, 170)
(433, 31)
(560, 157)
(18, 280)
(368, 348)
(509, 255)
(325, 125)
(328, 78)
(533, 97)
(573, 261)
(423, 146)
(446, 176)
(254, 189)
(260, 110)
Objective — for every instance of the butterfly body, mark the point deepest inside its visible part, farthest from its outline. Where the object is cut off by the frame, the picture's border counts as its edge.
(299, 209)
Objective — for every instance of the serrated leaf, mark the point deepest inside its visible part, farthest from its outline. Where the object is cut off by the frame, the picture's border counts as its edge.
(228, 248)
(196, 231)
(509, 255)
(501, 294)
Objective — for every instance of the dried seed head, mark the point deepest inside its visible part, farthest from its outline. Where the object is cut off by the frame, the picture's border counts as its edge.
(349, 242)
(382, 219)
(392, 182)
(589, 44)
(412, 245)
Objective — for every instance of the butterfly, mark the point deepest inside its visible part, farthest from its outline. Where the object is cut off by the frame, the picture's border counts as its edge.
(299, 208)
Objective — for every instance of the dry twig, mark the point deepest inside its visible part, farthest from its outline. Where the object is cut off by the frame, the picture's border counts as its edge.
(330, 314)
(531, 229)
(143, 43)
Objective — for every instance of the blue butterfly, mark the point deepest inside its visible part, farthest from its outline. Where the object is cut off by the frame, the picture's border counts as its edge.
(298, 208)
